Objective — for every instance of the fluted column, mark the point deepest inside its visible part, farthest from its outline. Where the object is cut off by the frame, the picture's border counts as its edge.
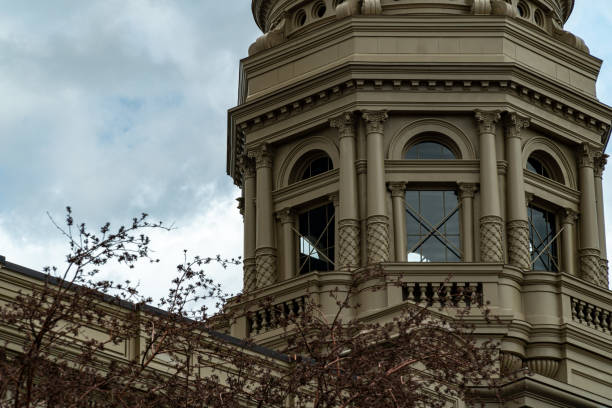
(600, 164)
(377, 223)
(568, 241)
(517, 225)
(265, 252)
(287, 220)
(491, 249)
(348, 212)
(398, 197)
(466, 195)
(590, 269)
(248, 208)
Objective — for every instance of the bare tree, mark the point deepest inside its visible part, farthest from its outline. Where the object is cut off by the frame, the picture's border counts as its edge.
(65, 330)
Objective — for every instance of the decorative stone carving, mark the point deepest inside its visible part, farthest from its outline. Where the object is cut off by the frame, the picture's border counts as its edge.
(486, 120)
(481, 7)
(515, 123)
(467, 190)
(348, 244)
(590, 270)
(600, 165)
(241, 205)
(375, 120)
(345, 124)
(378, 239)
(491, 249)
(371, 7)
(262, 155)
(518, 244)
(501, 8)
(604, 273)
(272, 38)
(266, 267)
(547, 367)
(397, 189)
(569, 216)
(570, 39)
(347, 8)
(247, 167)
(586, 156)
(510, 363)
(250, 274)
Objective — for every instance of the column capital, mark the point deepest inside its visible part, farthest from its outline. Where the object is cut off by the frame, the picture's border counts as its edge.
(345, 123)
(600, 165)
(528, 198)
(240, 205)
(262, 155)
(486, 120)
(568, 216)
(586, 155)
(374, 120)
(335, 199)
(467, 190)
(397, 189)
(247, 166)
(514, 123)
(285, 216)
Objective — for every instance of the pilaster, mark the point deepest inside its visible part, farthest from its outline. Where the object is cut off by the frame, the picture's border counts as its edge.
(398, 198)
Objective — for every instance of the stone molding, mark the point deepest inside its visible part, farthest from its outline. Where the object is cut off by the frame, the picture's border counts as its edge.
(491, 232)
(294, 107)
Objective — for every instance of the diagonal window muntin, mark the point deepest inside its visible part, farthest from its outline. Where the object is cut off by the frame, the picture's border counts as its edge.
(543, 236)
(432, 226)
(316, 229)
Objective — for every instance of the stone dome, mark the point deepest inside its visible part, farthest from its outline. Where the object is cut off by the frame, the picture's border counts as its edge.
(267, 12)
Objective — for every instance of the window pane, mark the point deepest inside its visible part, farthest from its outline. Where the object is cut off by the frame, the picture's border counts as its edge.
(542, 230)
(429, 151)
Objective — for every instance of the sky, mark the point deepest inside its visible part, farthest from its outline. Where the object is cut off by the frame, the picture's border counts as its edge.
(119, 107)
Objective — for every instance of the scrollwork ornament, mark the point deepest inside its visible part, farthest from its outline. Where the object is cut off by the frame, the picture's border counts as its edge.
(600, 165)
(486, 120)
(262, 155)
(586, 156)
(375, 120)
(515, 123)
(345, 124)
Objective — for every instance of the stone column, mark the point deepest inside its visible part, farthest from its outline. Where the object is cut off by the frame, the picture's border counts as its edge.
(517, 225)
(491, 249)
(590, 269)
(377, 223)
(398, 196)
(287, 220)
(347, 216)
(466, 195)
(568, 241)
(248, 191)
(265, 253)
(600, 164)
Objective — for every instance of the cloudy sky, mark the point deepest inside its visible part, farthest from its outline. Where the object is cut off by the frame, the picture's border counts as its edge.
(116, 107)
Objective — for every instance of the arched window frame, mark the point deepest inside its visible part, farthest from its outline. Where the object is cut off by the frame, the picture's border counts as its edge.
(305, 161)
(432, 137)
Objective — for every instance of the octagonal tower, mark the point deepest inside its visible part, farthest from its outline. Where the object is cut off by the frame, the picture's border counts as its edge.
(434, 138)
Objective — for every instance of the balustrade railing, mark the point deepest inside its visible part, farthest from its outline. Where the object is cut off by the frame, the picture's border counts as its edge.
(272, 317)
(591, 315)
(445, 294)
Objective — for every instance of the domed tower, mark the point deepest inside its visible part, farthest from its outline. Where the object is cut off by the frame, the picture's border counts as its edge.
(434, 138)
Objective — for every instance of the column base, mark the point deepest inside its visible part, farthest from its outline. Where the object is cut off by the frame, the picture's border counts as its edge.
(590, 269)
(348, 244)
(378, 239)
(491, 249)
(266, 266)
(518, 244)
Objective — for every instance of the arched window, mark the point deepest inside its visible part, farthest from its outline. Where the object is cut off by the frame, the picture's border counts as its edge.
(312, 164)
(429, 151)
(541, 163)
